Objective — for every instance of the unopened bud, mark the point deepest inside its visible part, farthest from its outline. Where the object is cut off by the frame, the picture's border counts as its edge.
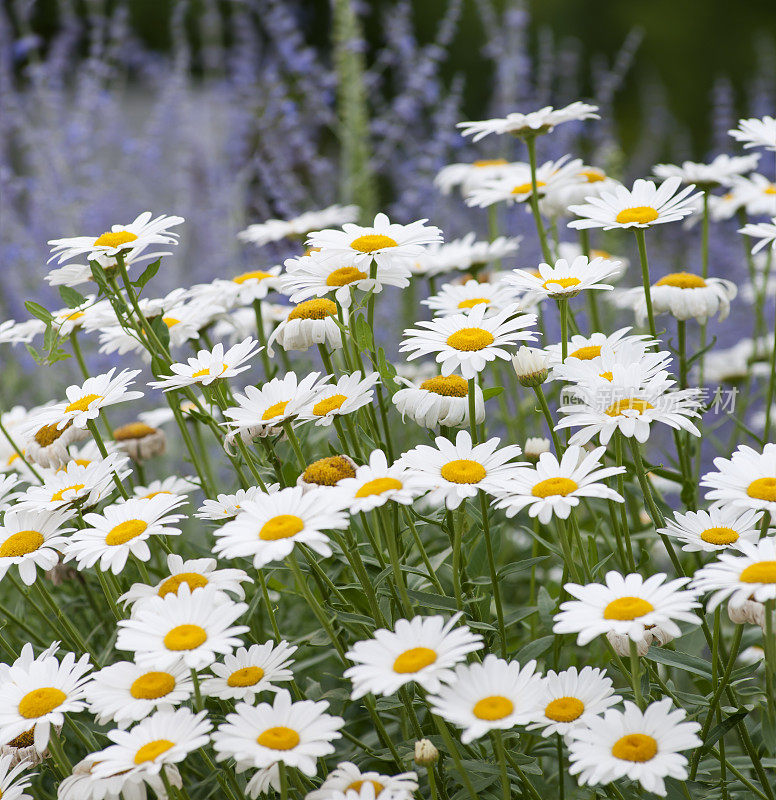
(425, 753)
(530, 366)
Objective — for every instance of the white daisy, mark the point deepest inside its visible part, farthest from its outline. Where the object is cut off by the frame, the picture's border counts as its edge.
(439, 400)
(12, 332)
(720, 172)
(347, 395)
(311, 322)
(67, 320)
(273, 230)
(460, 298)
(555, 487)
(569, 699)
(463, 254)
(468, 175)
(192, 627)
(347, 777)
(576, 188)
(626, 605)
(640, 207)
(643, 746)
(125, 692)
(246, 673)
(493, 695)
(468, 341)
(756, 132)
(612, 362)
(715, 530)
(327, 472)
(746, 480)
(226, 506)
(585, 348)
(83, 785)
(172, 485)
(531, 124)
(423, 649)
(564, 279)
(268, 527)
(296, 734)
(764, 231)
(12, 782)
(241, 290)
(30, 540)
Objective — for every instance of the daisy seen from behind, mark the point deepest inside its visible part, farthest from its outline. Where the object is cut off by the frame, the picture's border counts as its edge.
(439, 400)
(530, 124)
(756, 132)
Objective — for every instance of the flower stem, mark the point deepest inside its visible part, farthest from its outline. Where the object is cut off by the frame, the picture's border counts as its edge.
(473, 410)
(641, 242)
(530, 142)
(636, 674)
(493, 573)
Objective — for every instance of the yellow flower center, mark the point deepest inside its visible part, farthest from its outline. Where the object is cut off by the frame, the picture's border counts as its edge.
(279, 738)
(639, 214)
(473, 301)
(490, 162)
(682, 280)
(83, 403)
(281, 527)
(314, 309)
(60, 495)
(600, 253)
(152, 686)
(587, 353)
(40, 702)
(635, 747)
(564, 709)
(378, 486)
(256, 275)
(719, 535)
(323, 407)
(414, 660)
(21, 543)
(526, 188)
(150, 751)
(135, 430)
(114, 238)
(566, 283)
(494, 707)
(26, 739)
(171, 322)
(629, 404)
(468, 339)
(247, 676)
(608, 375)
(463, 470)
(592, 175)
(275, 410)
(627, 608)
(345, 275)
(153, 494)
(372, 242)
(763, 489)
(771, 189)
(328, 471)
(193, 579)
(125, 531)
(554, 486)
(356, 786)
(760, 572)
(185, 637)
(451, 386)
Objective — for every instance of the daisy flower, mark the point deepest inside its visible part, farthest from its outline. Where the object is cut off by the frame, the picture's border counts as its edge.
(196, 573)
(311, 322)
(720, 172)
(756, 132)
(123, 529)
(627, 605)
(715, 530)
(273, 230)
(125, 692)
(189, 627)
(555, 487)
(210, 365)
(226, 506)
(296, 734)
(268, 527)
(468, 341)
(12, 332)
(139, 441)
(493, 695)
(327, 472)
(469, 175)
(423, 649)
(612, 362)
(640, 207)
(439, 400)
(644, 746)
(173, 485)
(36, 693)
(455, 471)
(764, 231)
(30, 540)
(246, 673)
(746, 480)
(387, 244)
(576, 188)
(376, 483)
(535, 122)
(569, 699)
(166, 737)
(564, 279)
(347, 777)
(84, 785)
(12, 782)
(460, 298)
(242, 290)
(67, 320)
(463, 254)
(347, 395)
(586, 348)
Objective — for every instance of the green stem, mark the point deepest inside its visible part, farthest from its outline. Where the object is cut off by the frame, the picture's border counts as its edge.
(494, 581)
(530, 142)
(550, 421)
(498, 740)
(473, 410)
(636, 674)
(642, 245)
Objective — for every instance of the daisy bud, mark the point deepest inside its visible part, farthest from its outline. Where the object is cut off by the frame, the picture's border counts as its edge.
(140, 441)
(425, 753)
(530, 366)
(534, 447)
(750, 612)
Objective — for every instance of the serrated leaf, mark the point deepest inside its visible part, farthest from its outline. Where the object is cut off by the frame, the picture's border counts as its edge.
(70, 297)
(37, 310)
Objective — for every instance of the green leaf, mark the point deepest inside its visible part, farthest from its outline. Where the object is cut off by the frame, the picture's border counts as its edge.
(98, 274)
(494, 391)
(534, 649)
(70, 297)
(161, 330)
(37, 310)
(147, 274)
(682, 661)
(720, 730)
(433, 600)
(520, 566)
(364, 334)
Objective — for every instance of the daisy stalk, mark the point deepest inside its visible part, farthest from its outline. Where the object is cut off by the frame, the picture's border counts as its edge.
(642, 245)
(530, 142)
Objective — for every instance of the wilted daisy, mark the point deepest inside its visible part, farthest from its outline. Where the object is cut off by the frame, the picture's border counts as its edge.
(459, 298)
(210, 365)
(569, 699)
(441, 400)
(36, 693)
(463, 254)
(248, 672)
(274, 230)
(764, 231)
(347, 777)
(746, 480)
(455, 471)
(719, 172)
(30, 540)
(296, 734)
(531, 124)
(123, 529)
(311, 322)
(640, 207)
(643, 746)
(347, 395)
(12, 782)
(196, 573)
(226, 506)
(564, 279)
(555, 487)
(192, 627)
(756, 132)
(493, 695)
(468, 341)
(125, 692)
(719, 528)
(627, 605)
(423, 649)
